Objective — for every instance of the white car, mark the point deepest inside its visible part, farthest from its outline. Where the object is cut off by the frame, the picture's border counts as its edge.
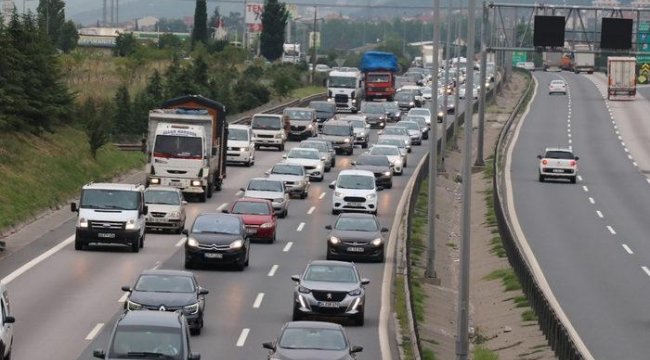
(394, 155)
(414, 131)
(396, 132)
(462, 91)
(166, 208)
(269, 189)
(557, 86)
(421, 112)
(401, 145)
(241, 148)
(557, 163)
(354, 191)
(360, 127)
(309, 158)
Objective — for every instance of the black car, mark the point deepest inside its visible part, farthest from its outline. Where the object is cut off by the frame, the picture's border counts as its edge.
(325, 110)
(168, 290)
(217, 238)
(406, 100)
(356, 236)
(378, 165)
(393, 111)
(307, 340)
(143, 335)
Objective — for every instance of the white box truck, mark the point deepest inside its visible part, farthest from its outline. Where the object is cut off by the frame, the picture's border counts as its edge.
(621, 77)
(583, 62)
(345, 89)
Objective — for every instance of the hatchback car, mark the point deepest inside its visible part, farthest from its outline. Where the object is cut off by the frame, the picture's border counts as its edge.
(406, 100)
(557, 87)
(378, 165)
(217, 239)
(558, 163)
(341, 134)
(295, 178)
(259, 218)
(300, 340)
(166, 208)
(414, 131)
(269, 189)
(376, 114)
(360, 127)
(356, 236)
(168, 290)
(355, 190)
(396, 157)
(325, 148)
(241, 148)
(330, 288)
(149, 335)
(396, 132)
(311, 159)
(421, 112)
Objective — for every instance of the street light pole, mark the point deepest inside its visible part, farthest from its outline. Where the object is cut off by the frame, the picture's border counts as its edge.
(312, 74)
(481, 105)
(443, 138)
(456, 96)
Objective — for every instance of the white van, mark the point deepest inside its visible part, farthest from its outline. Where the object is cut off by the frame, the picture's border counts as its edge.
(110, 214)
(354, 191)
(240, 145)
(269, 130)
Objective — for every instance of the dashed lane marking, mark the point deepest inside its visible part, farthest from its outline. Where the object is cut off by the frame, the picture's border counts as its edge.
(287, 247)
(646, 270)
(274, 268)
(322, 195)
(600, 214)
(91, 335)
(591, 200)
(627, 248)
(300, 227)
(258, 301)
(611, 230)
(311, 210)
(242, 337)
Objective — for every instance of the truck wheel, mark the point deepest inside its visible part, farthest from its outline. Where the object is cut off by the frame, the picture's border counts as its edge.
(135, 245)
(364, 145)
(78, 245)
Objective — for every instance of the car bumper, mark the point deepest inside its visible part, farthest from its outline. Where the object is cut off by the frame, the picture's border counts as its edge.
(309, 306)
(343, 146)
(198, 255)
(108, 236)
(360, 139)
(259, 233)
(347, 206)
(558, 172)
(238, 157)
(376, 123)
(355, 251)
(163, 223)
(268, 141)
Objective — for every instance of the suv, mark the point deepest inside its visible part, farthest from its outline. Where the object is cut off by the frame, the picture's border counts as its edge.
(354, 190)
(110, 213)
(557, 163)
(341, 134)
(149, 334)
(269, 130)
(302, 121)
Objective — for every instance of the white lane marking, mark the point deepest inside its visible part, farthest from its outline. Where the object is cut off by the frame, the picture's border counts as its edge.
(611, 230)
(239, 193)
(322, 195)
(626, 150)
(300, 227)
(37, 260)
(629, 156)
(621, 138)
(623, 143)
(258, 301)
(311, 210)
(600, 214)
(569, 134)
(123, 297)
(274, 268)
(585, 188)
(180, 242)
(91, 335)
(647, 271)
(617, 132)
(569, 141)
(579, 178)
(222, 206)
(156, 265)
(615, 127)
(648, 180)
(242, 338)
(627, 248)
(635, 164)
(591, 200)
(287, 247)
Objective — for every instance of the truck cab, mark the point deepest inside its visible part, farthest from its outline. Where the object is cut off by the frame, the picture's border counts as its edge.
(269, 130)
(345, 88)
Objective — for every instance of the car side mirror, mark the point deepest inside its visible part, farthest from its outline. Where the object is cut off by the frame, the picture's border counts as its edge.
(194, 356)
(73, 207)
(268, 345)
(576, 158)
(365, 281)
(323, 158)
(9, 319)
(332, 186)
(356, 349)
(539, 156)
(203, 291)
(242, 189)
(328, 227)
(225, 211)
(185, 232)
(385, 229)
(380, 132)
(126, 288)
(267, 173)
(295, 278)
(99, 353)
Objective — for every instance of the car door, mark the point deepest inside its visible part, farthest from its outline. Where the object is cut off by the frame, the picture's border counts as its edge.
(6, 333)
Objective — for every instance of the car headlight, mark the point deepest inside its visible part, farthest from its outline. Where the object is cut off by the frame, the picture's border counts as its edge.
(83, 223)
(440, 114)
(266, 225)
(237, 244)
(130, 225)
(381, 118)
(304, 290)
(334, 240)
(355, 292)
(175, 214)
(191, 309)
(154, 181)
(278, 136)
(278, 200)
(371, 196)
(192, 242)
(196, 183)
(412, 103)
(130, 305)
(338, 194)
(309, 126)
(387, 173)
(346, 140)
(377, 242)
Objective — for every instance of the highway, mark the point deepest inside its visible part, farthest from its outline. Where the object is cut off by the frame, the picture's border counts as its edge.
(589, 238)
(66, 302)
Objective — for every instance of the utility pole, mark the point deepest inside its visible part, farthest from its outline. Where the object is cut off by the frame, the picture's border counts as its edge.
(462, 336)
(481, 104)
(443, 138)
(433, 152)
(313, 51)
(456, 96)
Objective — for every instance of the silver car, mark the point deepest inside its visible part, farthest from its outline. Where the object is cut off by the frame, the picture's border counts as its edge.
(414, 131)
(270, 189)
(294, 177)
(166, 208)
(401, 145)
(396, 132)
(325, 149)
(361, 129)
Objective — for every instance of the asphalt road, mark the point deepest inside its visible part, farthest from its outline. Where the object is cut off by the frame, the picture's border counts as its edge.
(589, 238)
(66, 304)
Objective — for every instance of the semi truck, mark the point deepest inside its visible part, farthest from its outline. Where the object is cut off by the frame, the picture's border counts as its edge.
(291, 53)
(621, 77)
(552, 61)
(379, 69)
(583, 62)
(345, 89)
(186, 145)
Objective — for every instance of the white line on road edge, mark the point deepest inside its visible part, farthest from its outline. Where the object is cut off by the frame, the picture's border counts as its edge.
(629, 156)
(180, 242)
(626, 150)
(579, 178)
(123, 297)
(258, 301)
(635, 164)
(647, 271)
(591, 200)
(311, 210)
(156, 265)
(647, 180)
(300, 227)
(242, 338)
(222, 206)
(287, 247)
(627, 248)
(21, 270)
(91, 335)
(600, 214)
(569, 141)
(274, 268)
(623, 143)
(322, 195)
(585, 188)
(611, 230)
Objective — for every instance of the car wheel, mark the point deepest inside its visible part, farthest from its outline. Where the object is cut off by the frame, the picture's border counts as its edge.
(296, 314)
(248, 257)
(179, 230)
(333, 162)
(304, 195)
(272, 239)
(328, 169)
(281, 147)
(335, 212)
(390, 185)
(351, 151)
(257, 147)
(359, 319)
(541, 178)
(203, 197)
(374, 212)
(210, 190)
(135, 245)
(286, 212)
(240, 266)
(142, 241)
(249, 163)
(321, 178)
(195, 331)
(78, 245)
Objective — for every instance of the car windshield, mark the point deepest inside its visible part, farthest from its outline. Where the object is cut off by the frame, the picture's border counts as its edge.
(373, 160)
(323, 107)
(356, 182)
(372, 108)
(394, 130)
(133, 341)
(378, 78)
(388, 141)
(237, 134)
(358, 124)
(216, 224)
(342, 82)
(384, 150)
(356, 224)
(298, 114)
(338, 130)
(321, 147)
(403, 96)
(266, 123)
(162, 197)
(265, 185)
(559, 155)
(178, 147)
(165, 283)
(409, 125)
(331, 273)
(423, 112)
(251, 207)
(391, 106)
(303, 154)
(110, 199)
(312, 338)
(282, 169)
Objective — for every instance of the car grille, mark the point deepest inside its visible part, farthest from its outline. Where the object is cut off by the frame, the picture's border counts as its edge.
(310, 167)
(264, 136)
(115, 225)
(341, 98)
(158, 214)
(289, 183)
(379, 174)
(252, 226)
(354, 199)
(213, 247)
(233, 148)
(333, 295)
(297, 127)
(355, 243)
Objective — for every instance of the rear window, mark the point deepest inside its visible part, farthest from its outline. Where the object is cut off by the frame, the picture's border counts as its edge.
(559, 155)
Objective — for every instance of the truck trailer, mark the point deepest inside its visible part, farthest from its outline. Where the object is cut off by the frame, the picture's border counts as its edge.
(583, 62)
(379, 70)
(621, 77)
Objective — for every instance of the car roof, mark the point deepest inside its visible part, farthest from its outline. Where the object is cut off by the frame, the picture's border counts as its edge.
(356, 172)
(357, 215)
(313, 325)
(300, 108)
(278, 116)
(386, 145)
(337, 122)
(151, 318)
(372, 156)
(558, 148)
(332, 262)
(114, 186)
(303, 148)
(167, 272)
(288, 162)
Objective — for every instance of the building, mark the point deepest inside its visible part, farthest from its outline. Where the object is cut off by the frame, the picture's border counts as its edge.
(98, 37)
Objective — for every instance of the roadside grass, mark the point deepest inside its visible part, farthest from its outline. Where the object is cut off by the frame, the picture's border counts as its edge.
(43, 172)
(508, 278)
(307, 91)
(402, 317)
(529, 315)
(481, 353)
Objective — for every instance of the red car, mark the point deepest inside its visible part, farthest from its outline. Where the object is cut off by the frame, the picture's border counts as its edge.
(258, 216)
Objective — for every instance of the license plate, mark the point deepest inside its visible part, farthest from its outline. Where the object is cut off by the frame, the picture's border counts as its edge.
(251, 231)
(329, 304)
(558, 170)
(214, 255)
(106, 235)
(355, 249)
(157, 220)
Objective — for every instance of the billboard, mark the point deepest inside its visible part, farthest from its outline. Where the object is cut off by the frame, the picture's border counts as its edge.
(253, 16)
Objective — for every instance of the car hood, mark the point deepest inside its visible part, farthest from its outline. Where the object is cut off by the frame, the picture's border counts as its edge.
(108, 214)
(393, 158)
(333, 138)
(372, 168)
(284, 177)
(359, 236)
(359, 131)
(253, 219)
(300, 122)
(238, 143)
(305, 162)
(163, 208)
(329, 286)
(310, 354)
(216, 239)
(157, 299)
(263, 194)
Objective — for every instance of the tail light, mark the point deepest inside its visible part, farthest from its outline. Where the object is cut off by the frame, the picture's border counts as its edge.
(572, 163)
(544, 162)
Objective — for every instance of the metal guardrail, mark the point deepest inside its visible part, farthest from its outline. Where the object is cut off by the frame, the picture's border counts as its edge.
(128, 147)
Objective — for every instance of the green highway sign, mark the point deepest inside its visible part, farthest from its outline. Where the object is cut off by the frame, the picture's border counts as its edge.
(519, 56)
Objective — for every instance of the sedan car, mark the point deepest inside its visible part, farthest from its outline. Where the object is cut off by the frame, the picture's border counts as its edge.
(311, 159)
(302, 340)
(400, 144)
(168, 290)
(392, 110)
(378, 165)
(396, 158)
(396, 132)
(217, 239)
(356, 236)
(558, 163)
(376, 114)
(421, 112)
(406, 100)
(424, 127)
(259, 218)
(330, 288)
(295, 178)
(166, 208)
(325, 148)
(361, 130)
(414, 131)
(269, 189)
(557, 87)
